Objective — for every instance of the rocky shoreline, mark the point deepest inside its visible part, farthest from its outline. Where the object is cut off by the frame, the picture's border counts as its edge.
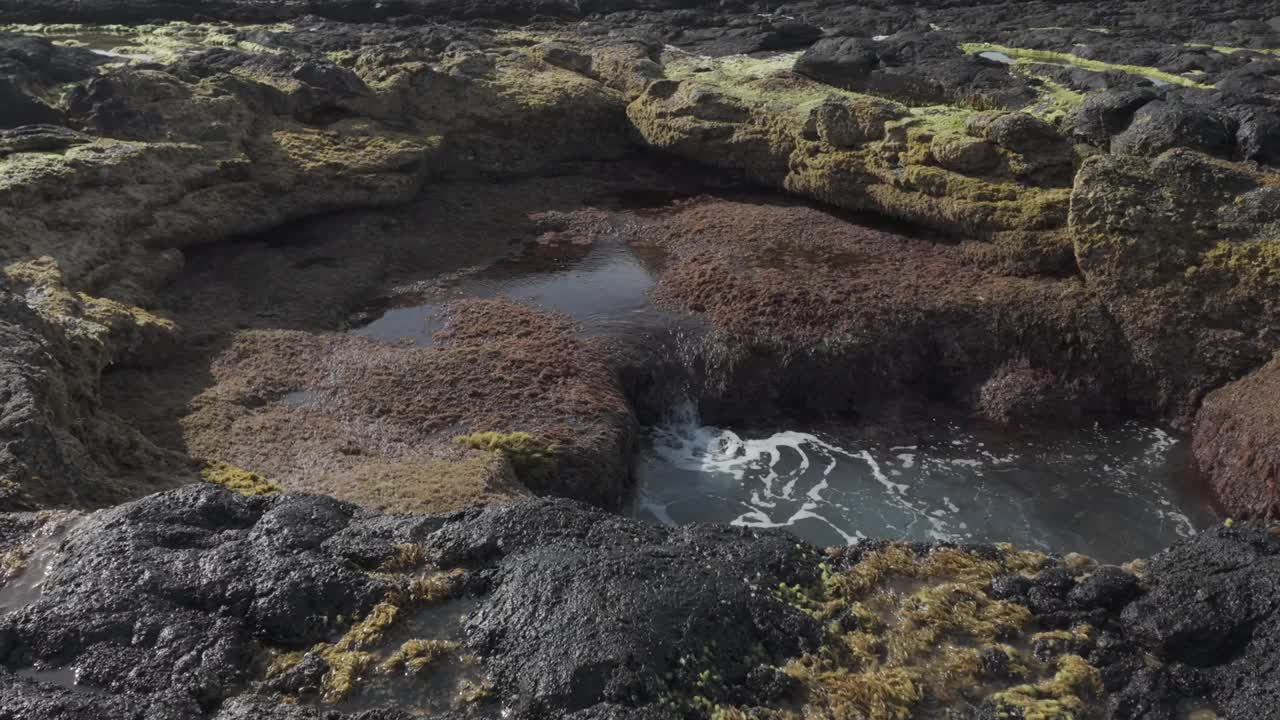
(1034, 213)
(202, 602)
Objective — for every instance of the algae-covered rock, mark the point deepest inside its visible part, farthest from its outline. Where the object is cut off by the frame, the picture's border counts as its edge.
(1182, 240)
(849, 123)
(967, 155)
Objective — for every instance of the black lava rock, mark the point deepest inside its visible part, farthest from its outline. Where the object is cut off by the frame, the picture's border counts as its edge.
(1108, 587)
(1162, 125)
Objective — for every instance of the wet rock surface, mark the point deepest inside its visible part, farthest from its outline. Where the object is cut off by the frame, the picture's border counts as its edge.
(180, 604)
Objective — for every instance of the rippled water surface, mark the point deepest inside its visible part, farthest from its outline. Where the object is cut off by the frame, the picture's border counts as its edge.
(1113, 493)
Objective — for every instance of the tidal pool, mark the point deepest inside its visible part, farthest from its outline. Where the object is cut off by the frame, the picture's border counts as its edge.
(604, 285)
(1113, 493)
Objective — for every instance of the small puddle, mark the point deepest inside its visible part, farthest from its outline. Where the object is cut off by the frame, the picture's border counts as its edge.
(604, 285)
(27, 586)
(65, 677)
(123, 56)
(996, 57)
(1111, 493)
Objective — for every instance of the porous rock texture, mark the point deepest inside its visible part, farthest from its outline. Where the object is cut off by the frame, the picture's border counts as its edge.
(200, 602)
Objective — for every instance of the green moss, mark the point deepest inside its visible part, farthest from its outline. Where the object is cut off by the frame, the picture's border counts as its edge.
(237, 479)
(1230, 50)
(162, 42)
(533, 458)
(766, 80)
(1253, 266)
(1023, 55)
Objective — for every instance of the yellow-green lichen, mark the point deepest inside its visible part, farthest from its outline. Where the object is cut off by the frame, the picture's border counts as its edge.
(533, 458)
(1253, 267)
(1024, 55)
(237, 479)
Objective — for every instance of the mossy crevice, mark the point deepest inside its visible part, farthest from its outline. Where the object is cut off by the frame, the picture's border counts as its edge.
(1026, 55)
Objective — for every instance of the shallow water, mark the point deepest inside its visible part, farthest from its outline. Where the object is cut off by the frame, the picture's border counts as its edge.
(1112, 493)
(604, 285)
(27, 586)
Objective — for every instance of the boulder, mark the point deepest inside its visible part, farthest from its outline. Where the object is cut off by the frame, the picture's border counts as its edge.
(1162, 125)
(1237, 444)
(844, 62)
(1106, 114)
(1259, 135)
(849, 123)
(1211, 613)
(1040, 154)
(966, 155)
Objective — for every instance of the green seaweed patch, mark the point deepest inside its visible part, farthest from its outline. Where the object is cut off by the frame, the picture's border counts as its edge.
(416, 655)
(237, 479)
(908, 632)
(404, 558)
(1061, 697)
(1025, 55)
(533, 458)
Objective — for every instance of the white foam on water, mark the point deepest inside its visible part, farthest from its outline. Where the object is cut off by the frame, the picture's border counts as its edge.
(1098, 491)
